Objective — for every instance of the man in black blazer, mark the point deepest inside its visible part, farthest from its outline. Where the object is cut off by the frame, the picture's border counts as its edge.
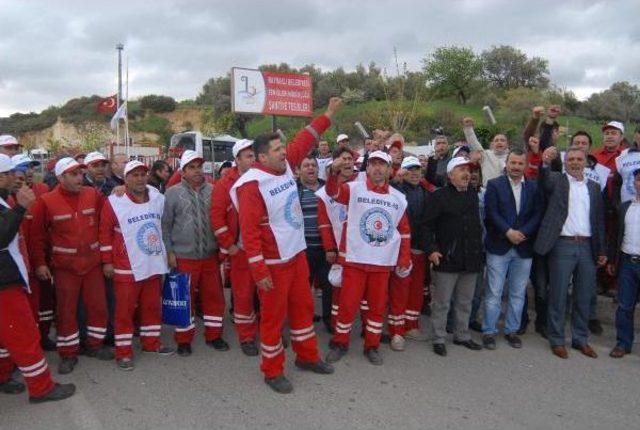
(572, 234)
(513, 209)
(628, 264)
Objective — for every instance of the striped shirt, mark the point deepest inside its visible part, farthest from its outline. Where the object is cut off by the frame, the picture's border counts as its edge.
(309, 203)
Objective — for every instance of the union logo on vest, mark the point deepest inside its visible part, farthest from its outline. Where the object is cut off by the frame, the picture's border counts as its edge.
(293, 211)
(376, 227)
(148, 239)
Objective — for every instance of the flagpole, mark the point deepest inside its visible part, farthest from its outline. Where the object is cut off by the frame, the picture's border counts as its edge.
(126, 111)
(119, 48)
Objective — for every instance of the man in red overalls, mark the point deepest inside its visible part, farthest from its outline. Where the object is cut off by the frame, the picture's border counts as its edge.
(224, 222)
(375, 241)
(65, 221)
(272, 231)
(135, 258)
(19, 335)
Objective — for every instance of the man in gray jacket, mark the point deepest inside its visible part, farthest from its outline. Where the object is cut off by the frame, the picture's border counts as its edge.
(192, 248)
(572, 234)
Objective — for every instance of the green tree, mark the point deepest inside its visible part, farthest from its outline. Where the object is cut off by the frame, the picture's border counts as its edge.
(452, 70)
(157, 103)
(506, 67)
(216, 94)
(621, 101)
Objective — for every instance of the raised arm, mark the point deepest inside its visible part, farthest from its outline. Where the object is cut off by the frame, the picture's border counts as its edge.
(307, 138)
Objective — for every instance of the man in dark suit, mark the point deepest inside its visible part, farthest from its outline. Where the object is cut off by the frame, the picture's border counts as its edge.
(572, 234)
(513, 209)
(628, 264)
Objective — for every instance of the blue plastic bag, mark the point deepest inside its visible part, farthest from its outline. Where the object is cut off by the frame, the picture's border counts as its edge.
(176, 299)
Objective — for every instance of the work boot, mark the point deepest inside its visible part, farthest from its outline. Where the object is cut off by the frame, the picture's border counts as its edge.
(279, 384)
(59, 392)
(249, 348)
(397, 343)
(373, 356)
(12, 387)
(67, 364)
(336, 352)
(184, 349)
(103, 353)
(513, 340)
(319, 367)
(125, 364)
(218, 344)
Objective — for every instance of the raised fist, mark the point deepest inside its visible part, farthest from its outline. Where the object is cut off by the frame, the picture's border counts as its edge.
(538, 111)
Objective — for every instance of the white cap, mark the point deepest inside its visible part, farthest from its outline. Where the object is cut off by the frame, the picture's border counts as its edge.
(614, 124)
(94, 157)
(410, 162)
(5, 163)
(66, 164)
(132, 165)
(380, 155)
(240, 145)
(188, 156)
(342, 137)
(23, 158)
(8, 140)
(457, 162)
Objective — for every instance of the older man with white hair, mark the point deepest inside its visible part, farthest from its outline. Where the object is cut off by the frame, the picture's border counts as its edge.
(453, 243)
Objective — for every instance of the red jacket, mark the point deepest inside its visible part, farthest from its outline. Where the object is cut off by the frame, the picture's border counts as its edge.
(341, 193)
(257, 237)
(67, 222)
(534, 161)
(223, 215)
(608, 159)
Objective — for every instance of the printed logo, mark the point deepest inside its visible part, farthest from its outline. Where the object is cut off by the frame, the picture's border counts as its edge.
(149, 239)
(293, 211)
(376, 227)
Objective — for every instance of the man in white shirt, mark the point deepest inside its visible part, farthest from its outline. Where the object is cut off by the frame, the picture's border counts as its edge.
(572, 234)
(628, 259)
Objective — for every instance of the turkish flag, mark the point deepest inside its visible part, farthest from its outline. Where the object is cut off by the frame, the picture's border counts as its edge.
(108, 105)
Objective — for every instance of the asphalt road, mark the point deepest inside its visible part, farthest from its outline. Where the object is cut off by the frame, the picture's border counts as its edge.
(414, 389)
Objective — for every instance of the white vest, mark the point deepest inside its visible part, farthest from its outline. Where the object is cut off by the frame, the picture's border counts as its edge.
(599, 174)
(14, 252)
(626, 164)
(280, 195)
(337, 213)
(141, 228)
(372, 226)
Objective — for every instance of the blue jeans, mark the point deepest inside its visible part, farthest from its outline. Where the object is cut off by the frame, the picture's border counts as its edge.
(628, 286)
(513, 270)
(569, 258)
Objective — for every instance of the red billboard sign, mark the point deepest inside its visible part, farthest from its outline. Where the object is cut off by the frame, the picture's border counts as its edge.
(271, 93)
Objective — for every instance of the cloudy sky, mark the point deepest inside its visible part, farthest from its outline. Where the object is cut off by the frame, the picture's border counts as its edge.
(51, 51)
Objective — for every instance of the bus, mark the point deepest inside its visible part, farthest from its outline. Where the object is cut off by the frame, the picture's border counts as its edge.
(214, 150)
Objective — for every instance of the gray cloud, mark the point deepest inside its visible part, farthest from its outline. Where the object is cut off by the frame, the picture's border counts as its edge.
(53, 51)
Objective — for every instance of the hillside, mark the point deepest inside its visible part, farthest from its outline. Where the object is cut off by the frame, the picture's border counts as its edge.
(155, 129)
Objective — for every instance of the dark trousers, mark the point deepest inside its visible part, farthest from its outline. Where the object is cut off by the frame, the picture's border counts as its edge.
(628, 287)
(570, 258)
(319, 278)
